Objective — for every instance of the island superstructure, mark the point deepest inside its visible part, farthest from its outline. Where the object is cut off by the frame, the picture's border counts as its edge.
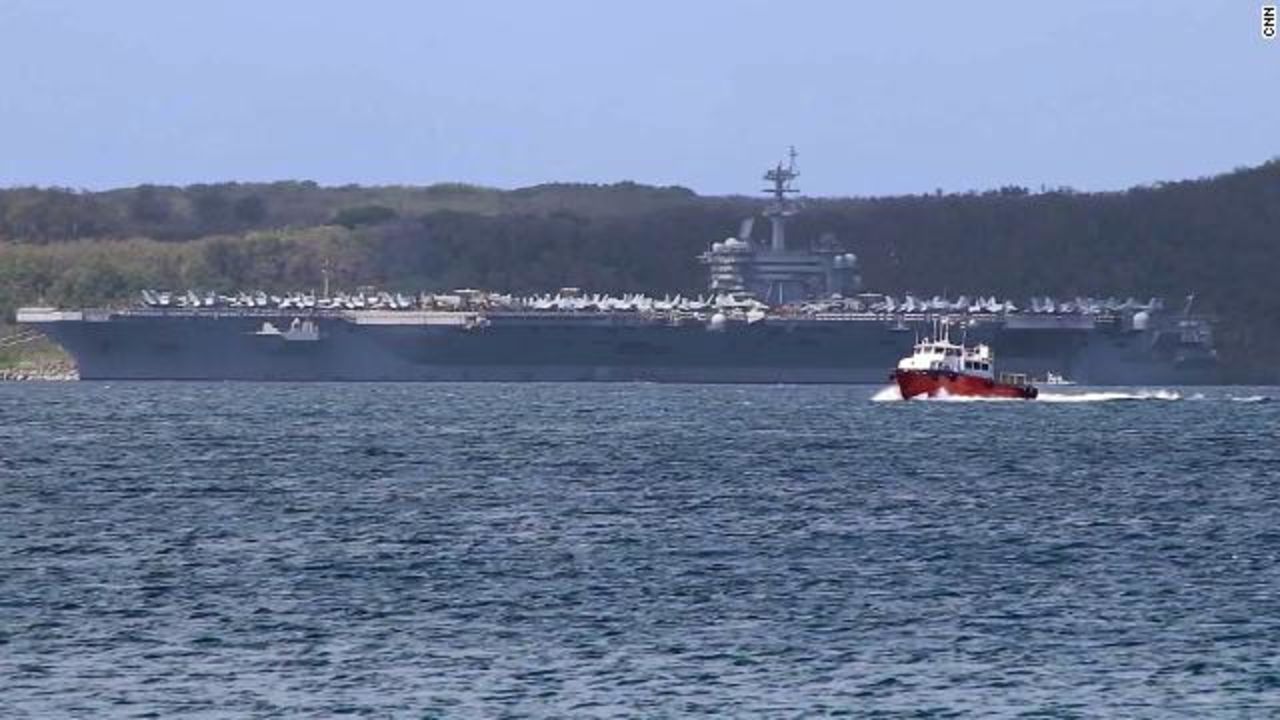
(772, 272)
(774, 312)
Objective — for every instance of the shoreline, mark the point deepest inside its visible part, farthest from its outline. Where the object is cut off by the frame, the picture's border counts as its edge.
(50, 372)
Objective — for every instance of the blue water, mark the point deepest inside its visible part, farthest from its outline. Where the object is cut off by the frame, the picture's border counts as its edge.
(213, 550)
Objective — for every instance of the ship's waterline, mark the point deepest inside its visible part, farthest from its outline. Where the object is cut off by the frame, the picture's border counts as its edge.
(184, 345)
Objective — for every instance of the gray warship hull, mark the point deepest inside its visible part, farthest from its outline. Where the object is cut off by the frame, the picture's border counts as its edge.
(442, 346)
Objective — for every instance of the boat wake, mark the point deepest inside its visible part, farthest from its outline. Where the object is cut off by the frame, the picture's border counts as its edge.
(891, 393)
(1109, 396)
(1251, 399)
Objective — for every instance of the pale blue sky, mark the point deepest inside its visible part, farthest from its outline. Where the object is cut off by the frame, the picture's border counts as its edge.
(880, 98)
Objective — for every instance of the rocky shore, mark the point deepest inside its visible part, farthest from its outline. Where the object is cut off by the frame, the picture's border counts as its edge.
(43, 371)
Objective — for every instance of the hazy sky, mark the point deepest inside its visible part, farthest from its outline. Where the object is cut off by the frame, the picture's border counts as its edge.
(879, 98)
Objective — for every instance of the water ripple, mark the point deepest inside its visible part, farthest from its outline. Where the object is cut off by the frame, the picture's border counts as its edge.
(605, 550)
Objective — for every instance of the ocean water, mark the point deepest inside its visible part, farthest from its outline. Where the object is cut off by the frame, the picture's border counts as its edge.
(240, 550)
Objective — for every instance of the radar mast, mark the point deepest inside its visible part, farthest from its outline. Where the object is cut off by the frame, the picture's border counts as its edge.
(781, 208)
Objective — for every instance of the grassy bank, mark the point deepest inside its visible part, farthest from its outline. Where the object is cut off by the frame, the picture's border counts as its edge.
(37, 355)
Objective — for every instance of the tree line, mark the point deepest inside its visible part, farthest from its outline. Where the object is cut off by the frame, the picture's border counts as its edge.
(1214, 238)
(46, 215)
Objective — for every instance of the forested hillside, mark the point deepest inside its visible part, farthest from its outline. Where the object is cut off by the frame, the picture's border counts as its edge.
(1214, 237)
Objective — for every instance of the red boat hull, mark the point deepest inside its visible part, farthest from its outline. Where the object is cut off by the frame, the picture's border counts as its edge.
(932, 383)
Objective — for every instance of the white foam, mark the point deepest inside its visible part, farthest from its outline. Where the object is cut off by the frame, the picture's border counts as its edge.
(1251, 399)
(889, 393)
(1110, 396)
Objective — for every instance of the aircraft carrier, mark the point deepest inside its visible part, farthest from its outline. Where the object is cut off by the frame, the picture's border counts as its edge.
(771, 314)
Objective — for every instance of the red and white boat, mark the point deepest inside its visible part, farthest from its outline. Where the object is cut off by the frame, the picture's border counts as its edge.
(940, 367)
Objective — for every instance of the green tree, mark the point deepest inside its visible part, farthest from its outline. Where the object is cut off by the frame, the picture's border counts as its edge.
(250, 210)
(212, 207)
(353, 217)
(149, 206)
